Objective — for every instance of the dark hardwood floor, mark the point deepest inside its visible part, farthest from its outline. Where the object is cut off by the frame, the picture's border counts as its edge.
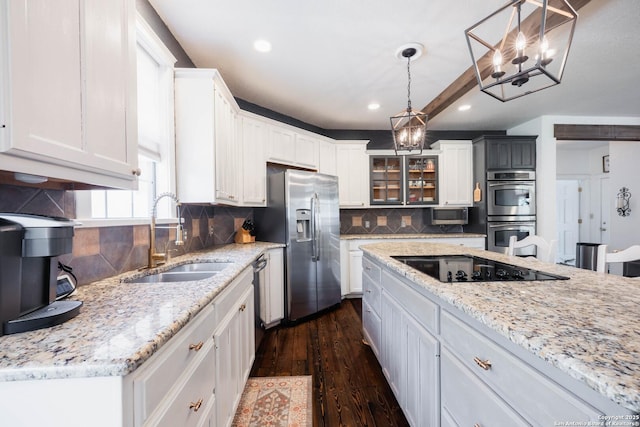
(349, 388)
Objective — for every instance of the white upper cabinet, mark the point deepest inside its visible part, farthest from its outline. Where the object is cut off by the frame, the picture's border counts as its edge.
(306, 151)
(456, 172)
(68, 91)
(290, 146)
(352, 166)
(281, 145)
(254, 136)
(327, 158)
(208, 161)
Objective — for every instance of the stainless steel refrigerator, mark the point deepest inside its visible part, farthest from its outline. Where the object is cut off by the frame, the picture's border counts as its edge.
(303, 213)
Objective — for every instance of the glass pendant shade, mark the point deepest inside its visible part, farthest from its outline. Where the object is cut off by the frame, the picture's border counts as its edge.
(522, 47)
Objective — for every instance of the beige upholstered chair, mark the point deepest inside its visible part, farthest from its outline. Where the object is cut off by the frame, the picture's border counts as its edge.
(632, 253)
(545, 251)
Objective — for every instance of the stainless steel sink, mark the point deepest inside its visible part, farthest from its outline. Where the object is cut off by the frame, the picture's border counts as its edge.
(201, 266)
(185, 273)
(174, 276)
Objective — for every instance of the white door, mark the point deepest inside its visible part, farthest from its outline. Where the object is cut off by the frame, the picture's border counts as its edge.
(605, 211)
(568, 215)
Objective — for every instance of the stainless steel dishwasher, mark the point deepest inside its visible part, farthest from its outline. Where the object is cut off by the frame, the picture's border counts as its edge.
(258, 277)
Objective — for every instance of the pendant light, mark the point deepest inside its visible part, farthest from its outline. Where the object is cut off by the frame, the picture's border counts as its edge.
(408, 127)
(522, 47)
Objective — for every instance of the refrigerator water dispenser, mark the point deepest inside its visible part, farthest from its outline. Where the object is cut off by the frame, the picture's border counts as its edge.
(303, 225)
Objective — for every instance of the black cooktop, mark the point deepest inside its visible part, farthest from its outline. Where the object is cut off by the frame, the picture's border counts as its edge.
(463, 268)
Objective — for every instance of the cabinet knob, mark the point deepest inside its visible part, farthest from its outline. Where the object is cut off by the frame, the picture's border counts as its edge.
(196, 347)
(242, 307)
(484, 364)
(195, 406)
(137, 172)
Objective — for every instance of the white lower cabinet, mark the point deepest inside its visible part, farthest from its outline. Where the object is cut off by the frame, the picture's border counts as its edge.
(195, 379)
(198, 378)
(447, 369)
(176, 385)
(272, 288)
(234, 341)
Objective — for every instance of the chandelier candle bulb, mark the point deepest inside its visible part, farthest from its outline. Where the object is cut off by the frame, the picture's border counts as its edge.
(542, 28)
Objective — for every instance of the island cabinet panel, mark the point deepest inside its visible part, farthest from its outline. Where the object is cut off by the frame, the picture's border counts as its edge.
(408, 352)
(467, 401)
(541, 399)
(449, 369)
(371, 305)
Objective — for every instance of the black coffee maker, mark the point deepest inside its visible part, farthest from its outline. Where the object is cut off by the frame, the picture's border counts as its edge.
(29, 247)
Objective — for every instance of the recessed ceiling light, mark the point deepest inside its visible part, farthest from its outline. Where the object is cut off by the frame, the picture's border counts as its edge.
(373, 106)
(464, 107)
(262, 45)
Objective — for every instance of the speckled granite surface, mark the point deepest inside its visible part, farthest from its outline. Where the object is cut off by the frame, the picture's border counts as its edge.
(120, 324)
(587, 326)
(408, 236)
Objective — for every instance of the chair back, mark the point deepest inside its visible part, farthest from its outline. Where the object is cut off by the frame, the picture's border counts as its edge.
(545, 251)
(632, 253)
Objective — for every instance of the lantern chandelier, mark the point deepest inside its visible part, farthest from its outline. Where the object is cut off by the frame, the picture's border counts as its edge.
(522, 47)
(409, 127)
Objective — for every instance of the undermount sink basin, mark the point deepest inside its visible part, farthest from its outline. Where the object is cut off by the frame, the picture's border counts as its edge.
(201, 266)
(174, 276)
(185, 273)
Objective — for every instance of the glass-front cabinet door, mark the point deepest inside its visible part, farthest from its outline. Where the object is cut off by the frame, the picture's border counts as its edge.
(421, 180)
(386, 180)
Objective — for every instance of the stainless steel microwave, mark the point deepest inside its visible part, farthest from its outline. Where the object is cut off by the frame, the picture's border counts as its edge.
(449, 216)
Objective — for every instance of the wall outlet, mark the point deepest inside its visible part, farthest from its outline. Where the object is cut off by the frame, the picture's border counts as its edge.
(367, 224)
(211, 230)
(403, 223)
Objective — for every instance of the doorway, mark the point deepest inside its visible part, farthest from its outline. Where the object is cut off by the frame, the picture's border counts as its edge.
(568, 219)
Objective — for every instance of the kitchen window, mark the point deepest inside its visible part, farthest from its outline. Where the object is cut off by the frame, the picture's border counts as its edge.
(156, 141)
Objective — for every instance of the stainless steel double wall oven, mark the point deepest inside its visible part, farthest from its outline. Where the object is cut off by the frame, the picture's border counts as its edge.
(511, 208)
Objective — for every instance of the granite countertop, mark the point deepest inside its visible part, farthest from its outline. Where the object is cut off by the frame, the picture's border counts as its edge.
(409, 236)
(120, 325)
(586, 326)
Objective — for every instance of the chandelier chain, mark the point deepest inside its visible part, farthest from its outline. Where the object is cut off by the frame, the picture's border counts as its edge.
(409, 84)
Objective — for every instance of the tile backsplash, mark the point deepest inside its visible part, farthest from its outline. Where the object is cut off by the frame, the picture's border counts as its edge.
(100, 252)
(390, 221)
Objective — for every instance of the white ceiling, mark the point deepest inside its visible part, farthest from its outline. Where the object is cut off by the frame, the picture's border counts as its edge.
(331, 58)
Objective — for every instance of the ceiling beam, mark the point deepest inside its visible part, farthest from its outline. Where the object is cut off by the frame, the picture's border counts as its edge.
(596, 132)
(467, 80)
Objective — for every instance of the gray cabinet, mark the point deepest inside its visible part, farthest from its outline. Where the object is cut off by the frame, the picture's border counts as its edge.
(509, 152)
(404, 180)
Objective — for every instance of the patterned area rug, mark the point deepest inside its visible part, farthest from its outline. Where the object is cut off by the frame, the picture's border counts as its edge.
(275, 401)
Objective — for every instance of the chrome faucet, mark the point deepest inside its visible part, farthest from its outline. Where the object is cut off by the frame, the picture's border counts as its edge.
(158, 258)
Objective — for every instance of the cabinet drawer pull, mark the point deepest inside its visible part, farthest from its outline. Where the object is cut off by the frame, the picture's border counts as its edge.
(242, 307)
(196, 406)
(367, 268)
(484, 364)
(196, 347)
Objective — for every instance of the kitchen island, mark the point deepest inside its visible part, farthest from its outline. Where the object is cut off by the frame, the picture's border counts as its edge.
(520, 353)
(92, 369)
